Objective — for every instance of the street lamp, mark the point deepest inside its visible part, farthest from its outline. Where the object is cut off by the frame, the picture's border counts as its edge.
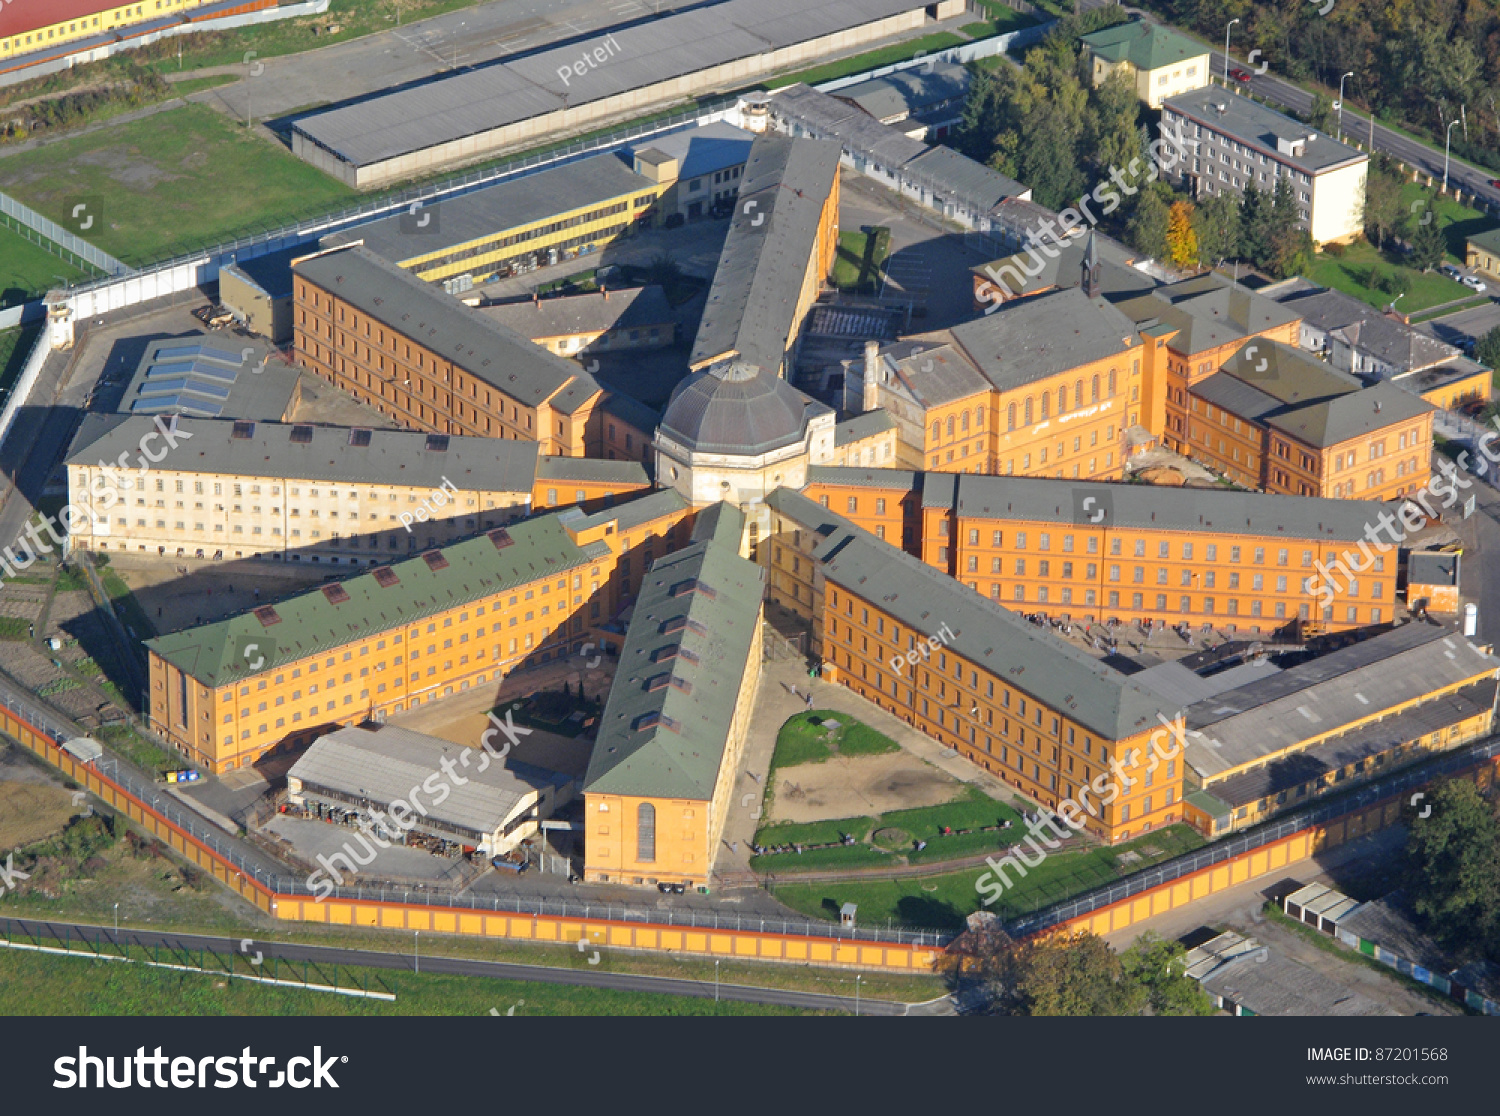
(857, 978)
(416, 953)
(716, 980)
(117, 922)
(1447, 146)
(1227, 28)
(1340, 105)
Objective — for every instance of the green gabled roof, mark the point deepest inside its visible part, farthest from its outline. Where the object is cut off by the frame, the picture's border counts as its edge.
(1146, 46)
(1489, 240)
(667, 721)
(313, 622)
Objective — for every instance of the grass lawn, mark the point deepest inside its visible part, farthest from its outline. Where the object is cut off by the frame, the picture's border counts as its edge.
(1001, 21)
(27, 270)
(942, 902)
(1458, 221)
(140, 751)
(897, 832)
(15, 346)
(860, 256)
(222, 180)
(870, 60)
(803, 739)
(49, 984)
(1350, 273)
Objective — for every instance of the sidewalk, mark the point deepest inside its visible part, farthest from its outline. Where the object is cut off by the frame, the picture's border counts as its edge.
(773, 705)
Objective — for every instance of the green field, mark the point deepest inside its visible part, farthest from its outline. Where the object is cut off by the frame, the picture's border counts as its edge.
(803, 739)
(1001, 21)
(49, 984)
(942, 902)
(860, 256)
(887, 839)
(1349, 273)
(222, 182)
(870, 60)
(27, 270)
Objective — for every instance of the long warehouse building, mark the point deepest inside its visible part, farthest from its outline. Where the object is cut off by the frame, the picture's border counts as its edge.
(420, 130)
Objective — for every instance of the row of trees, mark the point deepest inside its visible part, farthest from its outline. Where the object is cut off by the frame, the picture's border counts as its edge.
(1080, 975)
(1453, 869)
(1414, 60)
(1260, 228)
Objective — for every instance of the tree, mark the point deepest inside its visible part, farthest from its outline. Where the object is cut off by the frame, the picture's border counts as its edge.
(1320, 113)
(1182, 242)
(1157, 965)
(1384, 212)
(1428, 245)
(1255, 226)
(1112, 124)
(1487, 348)
(1048, 159)
(1453, 868)
(1149, 224)
(1078, 975)
(1216, 222)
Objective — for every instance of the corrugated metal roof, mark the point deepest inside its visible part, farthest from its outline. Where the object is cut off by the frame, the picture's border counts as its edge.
(1266, 982)
(434, 319)
(318, 453)
(667, 722)
(390, 763)
(502, 93)
(586, 184)
(1397, 667)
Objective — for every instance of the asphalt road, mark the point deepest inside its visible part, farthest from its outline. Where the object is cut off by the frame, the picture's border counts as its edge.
(1466, 176)
(498, 970)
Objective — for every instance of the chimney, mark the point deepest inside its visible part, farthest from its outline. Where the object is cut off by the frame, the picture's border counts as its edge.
(871, 399)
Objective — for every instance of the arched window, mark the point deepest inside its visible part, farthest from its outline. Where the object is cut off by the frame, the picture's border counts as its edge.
(950, 426)
(1010, 417)
(964, 422)
(1062, 400)
(1094, 389)
(1078, 395)
(937, 430)
(1046, 404)
(1027, 420)
(645, 832)
(1111, 383)
(979, 418)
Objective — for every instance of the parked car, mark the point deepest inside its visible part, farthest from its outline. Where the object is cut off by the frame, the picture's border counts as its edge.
(1451, 272)
(1240, 75)
(1474, 283)
(674, 220)
(1495, 182)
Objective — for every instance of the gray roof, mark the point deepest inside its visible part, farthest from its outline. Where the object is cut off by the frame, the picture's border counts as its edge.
(310, 622)
(1206, 311)
(808, 512)
(1265, 982)
(670, 711)
(1288, 374)
(632, 514)
(595, 469)
(1045, 266)
(1037, 337)
(272, 272)
(494, 95)
(319, 453)
(1450, 371)
(1366, 329)
(1389, 923)
(1432, 567)
(866, 425)
(390, 763)
(909, 92)
(1355, 415)
(824, 116)
(934, 373)
(1056, 674)
(1235, 396)
(1355, 683)
(209, 377)
(1259, 128)
(1361, 743)
(703, 149)
(752, 302)
(949, 173)
(734, 407)
(1179, 684)
(863, 477)
(585, 184)
(487, 350)
(635, 308)
(1138, 507)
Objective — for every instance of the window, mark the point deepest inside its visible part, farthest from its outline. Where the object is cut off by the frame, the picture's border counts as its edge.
(645, 832)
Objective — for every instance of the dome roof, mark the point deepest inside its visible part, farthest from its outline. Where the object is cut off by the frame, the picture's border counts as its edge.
(734, 406)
